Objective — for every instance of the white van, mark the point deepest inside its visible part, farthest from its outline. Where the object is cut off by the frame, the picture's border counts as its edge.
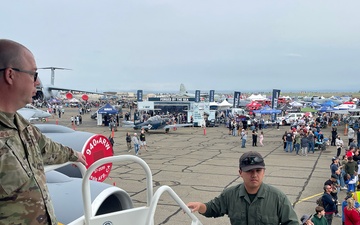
(238, 111)
(292, 117)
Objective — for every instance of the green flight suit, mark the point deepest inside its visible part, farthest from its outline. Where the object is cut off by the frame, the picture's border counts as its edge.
(270, 206)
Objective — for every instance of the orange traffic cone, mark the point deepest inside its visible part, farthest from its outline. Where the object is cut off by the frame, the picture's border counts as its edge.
(346, 129)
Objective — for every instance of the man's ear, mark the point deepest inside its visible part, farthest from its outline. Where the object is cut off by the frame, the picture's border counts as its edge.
(9, 76)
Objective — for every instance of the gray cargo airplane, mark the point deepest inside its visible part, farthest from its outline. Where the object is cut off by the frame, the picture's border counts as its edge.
(45, 92)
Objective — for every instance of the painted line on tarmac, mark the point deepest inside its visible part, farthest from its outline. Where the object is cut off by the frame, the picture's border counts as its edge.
(307, 198)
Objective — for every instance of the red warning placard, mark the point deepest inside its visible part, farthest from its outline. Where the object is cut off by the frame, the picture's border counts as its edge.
(97, 147)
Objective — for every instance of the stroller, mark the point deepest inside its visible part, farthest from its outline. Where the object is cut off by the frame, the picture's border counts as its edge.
(323, 124)
(321, 144)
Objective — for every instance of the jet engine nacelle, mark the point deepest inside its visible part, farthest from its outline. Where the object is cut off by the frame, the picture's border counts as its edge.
(93, 146)
(66, 197)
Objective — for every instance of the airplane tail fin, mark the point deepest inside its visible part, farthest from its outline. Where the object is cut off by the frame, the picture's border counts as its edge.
(182, 89)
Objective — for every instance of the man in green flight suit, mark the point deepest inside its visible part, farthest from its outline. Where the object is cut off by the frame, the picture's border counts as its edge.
(251, 202)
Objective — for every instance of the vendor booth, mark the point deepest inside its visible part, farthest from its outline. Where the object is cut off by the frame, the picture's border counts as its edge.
(104, 114)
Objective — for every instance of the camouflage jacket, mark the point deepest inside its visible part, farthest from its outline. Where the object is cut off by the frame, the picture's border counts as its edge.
(24, 150)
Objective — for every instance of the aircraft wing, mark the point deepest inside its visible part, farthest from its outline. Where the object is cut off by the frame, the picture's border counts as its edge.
(125, 123)
(52, 88)
(33, 113)
(26, 113)
(178, 125)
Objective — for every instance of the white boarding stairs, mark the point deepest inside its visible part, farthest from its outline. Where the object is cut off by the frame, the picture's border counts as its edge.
(134, 216)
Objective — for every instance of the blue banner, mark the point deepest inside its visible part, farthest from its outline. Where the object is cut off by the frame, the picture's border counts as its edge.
(274, 98)
(197, 96)
(274, 102)
(236, 102)
(211, 96)
(139, 95)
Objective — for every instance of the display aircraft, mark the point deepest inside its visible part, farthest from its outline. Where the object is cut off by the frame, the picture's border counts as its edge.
(31, 113)
(154, 123)
(45, 92)
(184, 92)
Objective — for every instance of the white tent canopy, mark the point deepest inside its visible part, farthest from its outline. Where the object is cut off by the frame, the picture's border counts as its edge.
(225, 104)
(74, 100)
(258, 97)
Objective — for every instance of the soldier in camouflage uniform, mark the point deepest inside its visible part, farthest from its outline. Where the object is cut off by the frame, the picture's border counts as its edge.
(24, 150)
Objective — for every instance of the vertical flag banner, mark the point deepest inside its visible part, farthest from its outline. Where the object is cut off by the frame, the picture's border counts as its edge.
(197, 96)
(140, 95)
(236, 102)
(211, 96)
(275, 97)
(274, 101)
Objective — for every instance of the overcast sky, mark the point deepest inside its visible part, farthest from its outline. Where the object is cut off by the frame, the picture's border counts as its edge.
(155, 45)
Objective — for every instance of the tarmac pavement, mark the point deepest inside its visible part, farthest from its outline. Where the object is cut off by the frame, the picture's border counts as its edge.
(198, 167)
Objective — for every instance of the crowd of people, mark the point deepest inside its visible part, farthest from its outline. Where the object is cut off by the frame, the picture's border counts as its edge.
(305, 137)
(344, 176)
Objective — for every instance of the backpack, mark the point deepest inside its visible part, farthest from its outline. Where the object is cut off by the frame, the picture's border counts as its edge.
(319, 202)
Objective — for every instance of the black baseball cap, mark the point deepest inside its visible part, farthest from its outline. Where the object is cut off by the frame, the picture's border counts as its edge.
(251, 160)
(305, 218)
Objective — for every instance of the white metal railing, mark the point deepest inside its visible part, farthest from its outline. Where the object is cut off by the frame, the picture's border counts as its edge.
(134, 214)
(173, 195)
(86, 187)
(152, 200)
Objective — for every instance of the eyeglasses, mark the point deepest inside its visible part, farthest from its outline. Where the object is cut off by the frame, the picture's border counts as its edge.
(34, 74)
(251, 160)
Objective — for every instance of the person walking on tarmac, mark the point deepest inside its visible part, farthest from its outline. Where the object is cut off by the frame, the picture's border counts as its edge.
(128, 141)
(136, 143)
(142, 140)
